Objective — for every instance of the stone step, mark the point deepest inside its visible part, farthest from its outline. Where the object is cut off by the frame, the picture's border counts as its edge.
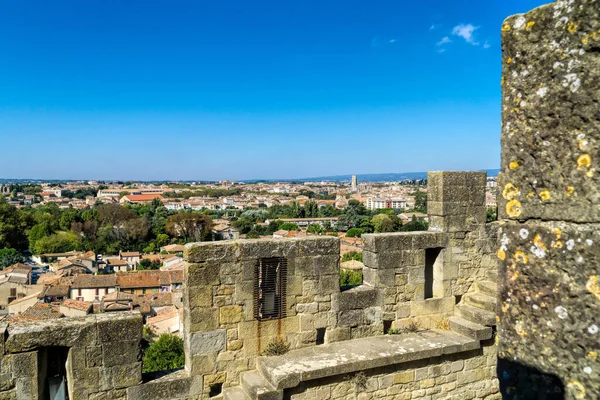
(476, 315)
(235, 393)
(258, 388)
(470, 329)
(480, 300)
(488, 287)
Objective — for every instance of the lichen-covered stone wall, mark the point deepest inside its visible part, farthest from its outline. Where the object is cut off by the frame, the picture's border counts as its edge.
(463, 376)
(549, 254)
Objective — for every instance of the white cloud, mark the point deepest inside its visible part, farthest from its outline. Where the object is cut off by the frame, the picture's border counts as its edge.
(444, 40)
(441, 50)
(432, 27)
(486, 45)
(393, 41)
(466, 32)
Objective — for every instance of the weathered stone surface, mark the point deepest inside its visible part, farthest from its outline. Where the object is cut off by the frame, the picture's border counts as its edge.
(123, 326)
(550, 298)
(360, 354)
(175, 385)
(207, 342)
(357, 298)
(551, 119)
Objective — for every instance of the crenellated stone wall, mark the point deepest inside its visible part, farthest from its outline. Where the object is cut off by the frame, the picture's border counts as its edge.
(549, 248)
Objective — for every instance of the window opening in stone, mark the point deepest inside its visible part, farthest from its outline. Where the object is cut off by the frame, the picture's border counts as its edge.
(52, 373)
(320, 336)
(270, 288)
(215, 390)
(387, 325)
(431, 256)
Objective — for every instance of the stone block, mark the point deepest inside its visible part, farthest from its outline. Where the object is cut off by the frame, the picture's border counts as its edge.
(67, 332)
(432, 306)
(387, 242)
(357, 298)
(351, 318)
(231, 314)
(198, 296)
(203, 319)
(199, 365)
(118, 353)
(204, 274)
(212, 251)
(207, 342)
(123, 376)
(426, 240)
(337, 335)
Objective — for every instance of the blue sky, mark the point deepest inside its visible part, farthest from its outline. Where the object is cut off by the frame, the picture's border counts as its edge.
(152, 90)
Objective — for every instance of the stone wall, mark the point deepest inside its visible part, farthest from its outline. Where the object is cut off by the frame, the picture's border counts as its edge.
(102, 352)
(222, 335)
(550, 184)
(465, 376)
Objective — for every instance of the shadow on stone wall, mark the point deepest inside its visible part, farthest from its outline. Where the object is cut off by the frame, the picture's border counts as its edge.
(518, 381)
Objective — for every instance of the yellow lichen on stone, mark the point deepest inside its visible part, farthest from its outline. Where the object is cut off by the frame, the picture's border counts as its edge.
(505, 28)
(513, 165)
(510, 191)
(593, 286)
(509, 60)
(537, 241)
(557, 232)
(521, 257)
(545, 195)
(572, 27)
(513, 208)
(501, 254)
(590, 173)
(585, 40)
(582, 144)
(520, 330)
(505, 307)
(593, 355)
(577, 389)
(584, 161)
(514, 276)
(557, 244)
(530, 24)
(569, 191)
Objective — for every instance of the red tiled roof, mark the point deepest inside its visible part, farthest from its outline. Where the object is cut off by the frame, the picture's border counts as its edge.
(94, 281)
(77, 305)
(143, 197)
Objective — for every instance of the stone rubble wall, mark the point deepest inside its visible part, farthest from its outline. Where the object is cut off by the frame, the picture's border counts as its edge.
(463, 376)
(550, 184)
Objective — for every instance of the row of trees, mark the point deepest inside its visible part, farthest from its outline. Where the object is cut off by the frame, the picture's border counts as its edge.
(106, 228)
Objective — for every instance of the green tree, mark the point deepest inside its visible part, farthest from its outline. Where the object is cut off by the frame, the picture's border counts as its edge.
(315, 228)
(416, 224)
(253, 235)
(492, 214)
(57, 243)
(37, 232)
(354, 232)
(190, 226)
(289, 226)
(383, 223)
(349, 279)
(10, 257)
(352, 255)
(13, 223)
(164, 354)
(420, 201)
(146, 264)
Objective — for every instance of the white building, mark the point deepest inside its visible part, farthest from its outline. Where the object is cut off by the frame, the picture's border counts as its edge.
(375, 203)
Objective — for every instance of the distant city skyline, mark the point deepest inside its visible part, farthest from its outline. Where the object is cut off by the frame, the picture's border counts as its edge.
(236, 91)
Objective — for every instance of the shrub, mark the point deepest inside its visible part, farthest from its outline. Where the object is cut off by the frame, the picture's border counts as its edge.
(360, 381)
(355, 232)
(350, 278)
(276, 347)
(164, 354)
(253, 234)
(352, 255)
(289, 226)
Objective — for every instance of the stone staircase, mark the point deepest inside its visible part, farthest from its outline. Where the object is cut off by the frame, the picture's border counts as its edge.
(476, 312)
(253, 385)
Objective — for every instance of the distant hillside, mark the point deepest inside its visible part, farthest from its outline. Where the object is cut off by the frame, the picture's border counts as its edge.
(385, 177)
